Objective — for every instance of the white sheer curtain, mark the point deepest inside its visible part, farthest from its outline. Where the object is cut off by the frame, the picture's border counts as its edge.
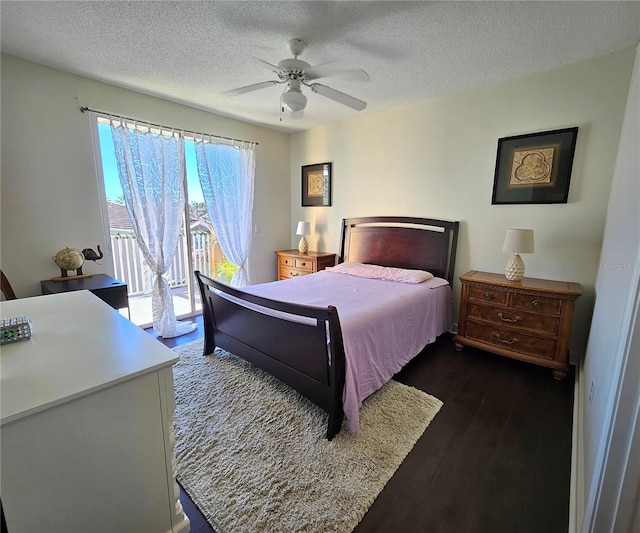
(152, 173)
(226, 174)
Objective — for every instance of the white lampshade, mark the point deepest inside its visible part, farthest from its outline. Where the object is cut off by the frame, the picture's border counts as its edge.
(519, 241)
(293, 100)
(304, 228)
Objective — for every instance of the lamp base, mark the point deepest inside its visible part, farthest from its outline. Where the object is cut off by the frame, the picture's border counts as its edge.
(514, 271)
(303, 247)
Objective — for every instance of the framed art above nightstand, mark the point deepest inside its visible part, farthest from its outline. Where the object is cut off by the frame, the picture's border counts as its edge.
(316, 185)
(534, 168)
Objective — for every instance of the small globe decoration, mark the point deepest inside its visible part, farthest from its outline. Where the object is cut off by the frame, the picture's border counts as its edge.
(69, 259)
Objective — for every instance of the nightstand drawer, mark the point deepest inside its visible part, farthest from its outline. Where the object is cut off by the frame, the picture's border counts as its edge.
(489, 294)
(303, 264)
(512, 340)
(515, 318)
(287, 261)
(293, 264)
(297, 263)
(540, 304)
(286, 273)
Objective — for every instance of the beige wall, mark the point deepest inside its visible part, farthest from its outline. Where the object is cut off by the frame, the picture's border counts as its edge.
(49, 189)
(434, 159)
(611, 377)
(437, 158)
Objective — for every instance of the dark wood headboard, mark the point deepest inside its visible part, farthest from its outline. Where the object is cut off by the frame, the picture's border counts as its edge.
(404, 242)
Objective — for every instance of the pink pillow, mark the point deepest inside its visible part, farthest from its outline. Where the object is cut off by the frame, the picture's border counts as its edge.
(363, 270)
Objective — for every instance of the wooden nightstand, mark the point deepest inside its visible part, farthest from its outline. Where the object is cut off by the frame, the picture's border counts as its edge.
(529, 320)
(108, 289)
(293, 264)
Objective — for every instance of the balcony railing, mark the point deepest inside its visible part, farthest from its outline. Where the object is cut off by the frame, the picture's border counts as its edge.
(131, 267)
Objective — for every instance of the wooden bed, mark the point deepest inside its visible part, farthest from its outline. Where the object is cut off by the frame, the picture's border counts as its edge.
(272, 334)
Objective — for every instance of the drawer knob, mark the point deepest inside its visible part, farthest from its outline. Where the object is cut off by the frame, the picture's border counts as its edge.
(304, 264)
(518, 318)
(536, 303)
(505, 341)
(294, 274)
(488, 296)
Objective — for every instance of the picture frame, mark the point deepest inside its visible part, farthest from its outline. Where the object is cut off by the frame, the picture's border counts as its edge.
(534, 168)
(316, 185)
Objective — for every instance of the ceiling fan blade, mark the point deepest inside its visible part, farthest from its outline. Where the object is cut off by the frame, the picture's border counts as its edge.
(324, 71)
(338, 96)
(274, 68)
(254, 87)
(321, 71)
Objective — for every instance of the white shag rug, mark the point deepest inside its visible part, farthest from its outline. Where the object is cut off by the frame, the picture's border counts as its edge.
(252, 453)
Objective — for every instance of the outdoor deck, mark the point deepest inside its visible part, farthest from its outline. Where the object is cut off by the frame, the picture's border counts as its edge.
(140, 306)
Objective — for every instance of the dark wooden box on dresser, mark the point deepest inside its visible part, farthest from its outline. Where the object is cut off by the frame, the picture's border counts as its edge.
(528, 320)
(293, 264)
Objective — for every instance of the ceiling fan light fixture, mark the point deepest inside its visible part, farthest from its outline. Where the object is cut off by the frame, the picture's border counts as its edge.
(296, 73)
(293, 100)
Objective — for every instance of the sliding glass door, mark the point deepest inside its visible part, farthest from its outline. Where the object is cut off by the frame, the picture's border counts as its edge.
(198, 248)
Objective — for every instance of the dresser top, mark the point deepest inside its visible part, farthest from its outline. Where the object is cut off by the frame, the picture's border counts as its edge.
(96, 281)
(542, 285)
(296, 253)
(79, 345)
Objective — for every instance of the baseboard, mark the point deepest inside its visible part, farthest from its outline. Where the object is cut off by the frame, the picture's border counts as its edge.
(183, 526)
(576, 491)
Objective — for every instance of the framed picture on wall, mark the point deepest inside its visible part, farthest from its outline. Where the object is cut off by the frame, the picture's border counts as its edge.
(534, 168)
(316, 185)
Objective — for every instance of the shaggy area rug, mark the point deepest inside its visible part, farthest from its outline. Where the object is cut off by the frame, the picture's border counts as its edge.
(252, 455)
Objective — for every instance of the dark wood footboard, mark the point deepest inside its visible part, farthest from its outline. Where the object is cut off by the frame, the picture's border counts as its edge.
(300, 345)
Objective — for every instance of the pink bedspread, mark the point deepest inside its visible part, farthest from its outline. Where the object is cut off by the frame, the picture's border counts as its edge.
(384, 323)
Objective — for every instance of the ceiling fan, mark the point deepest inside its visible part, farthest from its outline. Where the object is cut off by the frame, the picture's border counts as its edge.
(295, 73)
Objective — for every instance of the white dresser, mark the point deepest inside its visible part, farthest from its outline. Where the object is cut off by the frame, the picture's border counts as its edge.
(86, 422)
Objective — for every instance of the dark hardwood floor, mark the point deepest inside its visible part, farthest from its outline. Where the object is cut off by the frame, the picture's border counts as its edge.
(495, 459)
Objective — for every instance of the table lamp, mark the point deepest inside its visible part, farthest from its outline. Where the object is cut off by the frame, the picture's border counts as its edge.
(518, 241)
(304, 228)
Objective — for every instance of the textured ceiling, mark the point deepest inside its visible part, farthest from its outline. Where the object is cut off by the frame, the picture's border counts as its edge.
(192, 52)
